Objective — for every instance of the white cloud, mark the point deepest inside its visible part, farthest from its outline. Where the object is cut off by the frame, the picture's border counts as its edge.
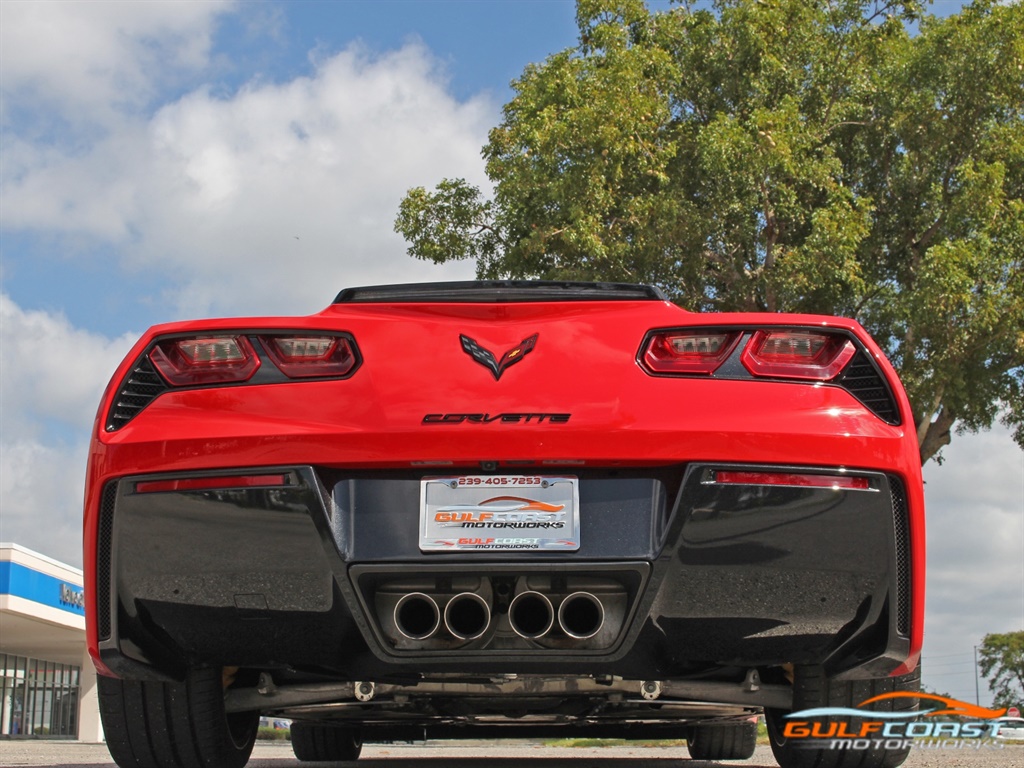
(289, 191)
(41, 490)
(52, 371)
(268, 201)
(89, 61)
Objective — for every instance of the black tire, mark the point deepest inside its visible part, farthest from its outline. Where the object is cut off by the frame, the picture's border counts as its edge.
(732, 741)
(812, 689)
(316, 742)
(152, 724)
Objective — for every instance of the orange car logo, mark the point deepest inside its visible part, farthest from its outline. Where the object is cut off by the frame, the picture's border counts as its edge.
(506, 504)
(497, 508)
(946, 706)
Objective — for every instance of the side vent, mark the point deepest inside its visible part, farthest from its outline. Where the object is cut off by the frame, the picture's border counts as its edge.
(142, 386)
(104, 559)
(861, 379)
(901, 526)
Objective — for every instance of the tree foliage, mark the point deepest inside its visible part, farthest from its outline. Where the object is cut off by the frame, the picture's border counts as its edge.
(778, 155)
(1002, 664)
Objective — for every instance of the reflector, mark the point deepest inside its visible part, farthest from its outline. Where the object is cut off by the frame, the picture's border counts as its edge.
(205, 360)
(837, 482)
(208, 483)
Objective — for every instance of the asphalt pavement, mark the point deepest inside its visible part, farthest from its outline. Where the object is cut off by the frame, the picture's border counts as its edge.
(66, 754)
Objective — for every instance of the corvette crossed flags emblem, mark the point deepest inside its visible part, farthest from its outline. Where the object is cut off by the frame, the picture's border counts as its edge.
(486, 358)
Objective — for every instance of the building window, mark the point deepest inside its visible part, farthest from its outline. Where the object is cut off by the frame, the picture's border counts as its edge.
(38, 698)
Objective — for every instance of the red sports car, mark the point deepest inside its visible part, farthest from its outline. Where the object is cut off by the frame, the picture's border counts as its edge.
(500, 509)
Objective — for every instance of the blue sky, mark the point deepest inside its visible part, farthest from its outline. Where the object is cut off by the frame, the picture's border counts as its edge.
(164, 160)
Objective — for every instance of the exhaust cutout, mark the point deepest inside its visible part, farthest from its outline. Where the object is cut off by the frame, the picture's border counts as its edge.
(417, 616)
(531, 615)
(581, 615)
(467, 616)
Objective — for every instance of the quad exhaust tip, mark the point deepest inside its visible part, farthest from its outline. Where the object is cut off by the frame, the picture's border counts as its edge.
(581, 615)
(531, 615)
(417, 616)
(467, 616)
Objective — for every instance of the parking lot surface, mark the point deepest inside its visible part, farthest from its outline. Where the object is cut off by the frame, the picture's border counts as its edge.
(67, 754)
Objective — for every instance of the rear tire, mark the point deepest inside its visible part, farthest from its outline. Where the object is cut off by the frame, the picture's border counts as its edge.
(318, 742)
(732, 741)
(150, 724)
(812, 688)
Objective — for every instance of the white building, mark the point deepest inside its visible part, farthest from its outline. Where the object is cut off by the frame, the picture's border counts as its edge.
(47, 681)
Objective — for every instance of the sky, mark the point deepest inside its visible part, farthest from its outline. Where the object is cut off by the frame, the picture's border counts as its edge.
(170, 160)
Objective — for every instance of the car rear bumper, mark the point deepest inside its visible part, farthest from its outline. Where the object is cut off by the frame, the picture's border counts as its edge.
(685, 571)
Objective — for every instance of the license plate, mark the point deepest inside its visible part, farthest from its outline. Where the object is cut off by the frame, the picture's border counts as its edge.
(494, 513)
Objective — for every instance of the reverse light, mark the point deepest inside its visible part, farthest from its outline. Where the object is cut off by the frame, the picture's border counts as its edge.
(301, 357)
(688, 351)
(205, 360)
(793, 479)
(797, 354)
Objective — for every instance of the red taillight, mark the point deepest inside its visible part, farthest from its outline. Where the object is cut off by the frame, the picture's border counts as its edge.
(211, 483)
(792, 479)
(205, 360)
(688, 351)
(796, 354)
(301, 357)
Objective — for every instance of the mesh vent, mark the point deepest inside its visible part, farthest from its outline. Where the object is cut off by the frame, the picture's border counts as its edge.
(902, 528)
(861, 379)
(142, 386)
(104, 558)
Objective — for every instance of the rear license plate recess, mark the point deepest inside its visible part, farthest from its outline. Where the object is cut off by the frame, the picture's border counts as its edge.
(493, 513)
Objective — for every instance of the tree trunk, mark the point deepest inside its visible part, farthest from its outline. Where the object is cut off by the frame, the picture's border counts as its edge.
(937, 435)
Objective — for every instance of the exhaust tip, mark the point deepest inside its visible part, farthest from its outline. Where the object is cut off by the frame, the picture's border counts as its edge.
(467, 616)
(531, 615)
(417, 616)
(581, 615)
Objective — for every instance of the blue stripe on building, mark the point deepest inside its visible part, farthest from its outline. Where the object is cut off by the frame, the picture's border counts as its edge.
(20, 581)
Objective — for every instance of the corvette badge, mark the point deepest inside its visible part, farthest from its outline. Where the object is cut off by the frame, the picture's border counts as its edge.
(486, 358)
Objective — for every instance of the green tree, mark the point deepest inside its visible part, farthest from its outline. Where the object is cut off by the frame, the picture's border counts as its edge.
(1002, 664)
(777, 155)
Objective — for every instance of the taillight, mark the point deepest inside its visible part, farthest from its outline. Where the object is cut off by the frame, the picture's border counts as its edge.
(812, 354)
(797, 354)
(205, 360)
(688, 351)
(301, 357)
